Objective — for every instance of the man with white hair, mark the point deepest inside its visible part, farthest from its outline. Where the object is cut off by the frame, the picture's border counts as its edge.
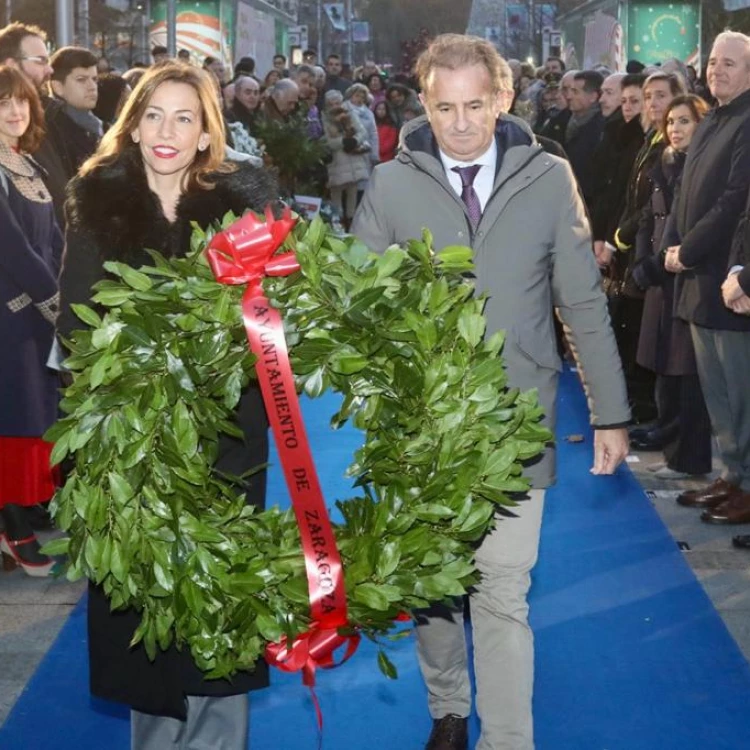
(282, 100)
(706, 214)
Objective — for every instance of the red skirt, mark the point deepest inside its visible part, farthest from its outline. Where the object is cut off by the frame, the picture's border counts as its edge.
(26, 478)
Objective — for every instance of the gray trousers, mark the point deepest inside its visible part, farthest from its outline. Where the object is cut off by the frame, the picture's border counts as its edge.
(723, 359)
(503, 642)
(212, 724)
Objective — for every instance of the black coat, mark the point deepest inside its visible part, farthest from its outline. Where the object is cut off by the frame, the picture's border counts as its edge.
(240, 113)
(556, 126)
(712, 197)
(613, 161)
(580, 148)
(665, 345)
(637, 195)
(73, 143)
(114, 215)
(56, 176)
(638, 189)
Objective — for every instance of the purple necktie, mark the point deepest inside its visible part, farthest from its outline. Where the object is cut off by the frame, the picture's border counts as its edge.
(468, 194)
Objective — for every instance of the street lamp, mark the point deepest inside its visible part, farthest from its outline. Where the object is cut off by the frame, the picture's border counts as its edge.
(64, 22)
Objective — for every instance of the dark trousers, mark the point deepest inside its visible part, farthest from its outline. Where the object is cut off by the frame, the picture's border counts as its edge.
(723, 359)
(626, 314)
(683, 414)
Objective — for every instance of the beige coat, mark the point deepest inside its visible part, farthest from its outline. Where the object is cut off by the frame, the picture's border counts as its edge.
(345, 168)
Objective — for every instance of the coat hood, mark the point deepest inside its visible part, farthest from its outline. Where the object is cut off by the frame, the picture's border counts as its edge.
(417, 135)
(515, 140)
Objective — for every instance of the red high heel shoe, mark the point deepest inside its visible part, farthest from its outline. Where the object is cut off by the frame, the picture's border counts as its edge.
(11, 558)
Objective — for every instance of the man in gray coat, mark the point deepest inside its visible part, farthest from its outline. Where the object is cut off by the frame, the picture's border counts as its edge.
(474, 177)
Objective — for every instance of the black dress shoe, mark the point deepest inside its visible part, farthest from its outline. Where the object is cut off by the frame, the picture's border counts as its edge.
(741, 541)
(650, 441)
(449, 733)
(640, 432)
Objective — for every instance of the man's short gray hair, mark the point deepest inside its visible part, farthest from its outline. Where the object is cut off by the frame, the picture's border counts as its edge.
(240, 81)
(457, 51)
(304, 70)
(735, 36)
(283, 85)
(616, 78)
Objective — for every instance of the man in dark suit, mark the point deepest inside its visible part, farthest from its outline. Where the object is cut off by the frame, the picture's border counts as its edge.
(712, 197)
(556, 126)
(584, 129)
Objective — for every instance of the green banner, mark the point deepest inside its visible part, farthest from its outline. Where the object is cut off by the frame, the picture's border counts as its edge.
(657, 31)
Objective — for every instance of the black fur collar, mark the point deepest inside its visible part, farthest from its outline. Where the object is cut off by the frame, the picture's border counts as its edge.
(115, 207)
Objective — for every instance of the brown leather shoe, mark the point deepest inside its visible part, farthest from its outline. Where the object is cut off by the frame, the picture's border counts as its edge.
(709, 497)
(736, 510)
(449, 733)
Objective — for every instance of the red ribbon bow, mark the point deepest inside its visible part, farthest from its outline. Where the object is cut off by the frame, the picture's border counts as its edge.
(243, 254)
(310, 650)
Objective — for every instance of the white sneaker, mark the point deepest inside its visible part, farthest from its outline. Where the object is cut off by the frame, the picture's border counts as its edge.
(667, 473)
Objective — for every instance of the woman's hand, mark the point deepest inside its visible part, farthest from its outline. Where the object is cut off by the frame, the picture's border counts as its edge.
(603, 253)
(672, 260)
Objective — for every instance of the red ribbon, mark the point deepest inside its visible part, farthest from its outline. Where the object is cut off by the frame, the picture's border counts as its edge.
(244, 254)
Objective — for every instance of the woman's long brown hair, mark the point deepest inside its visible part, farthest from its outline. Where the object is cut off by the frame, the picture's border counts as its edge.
(13, 83)
(118, 138)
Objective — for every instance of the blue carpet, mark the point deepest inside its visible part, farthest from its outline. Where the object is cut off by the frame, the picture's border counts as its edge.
(630, 653)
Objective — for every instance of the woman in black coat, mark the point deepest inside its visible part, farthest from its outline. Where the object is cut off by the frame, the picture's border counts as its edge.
(159, 168)
(665, 345)
(627, 299)
(30, 250)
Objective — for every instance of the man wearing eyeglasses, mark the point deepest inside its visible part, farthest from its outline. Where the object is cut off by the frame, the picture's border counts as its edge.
(25, 47)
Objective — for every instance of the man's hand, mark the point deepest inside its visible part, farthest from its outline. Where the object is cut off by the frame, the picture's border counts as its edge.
(610, 449)
(741, 305)
(731, 289)
(672, 260)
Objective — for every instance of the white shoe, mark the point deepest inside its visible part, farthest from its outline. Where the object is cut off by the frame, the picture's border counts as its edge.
(658, 466)
(667, 473)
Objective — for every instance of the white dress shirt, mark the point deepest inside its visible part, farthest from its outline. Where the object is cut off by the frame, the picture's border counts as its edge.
(485, 178)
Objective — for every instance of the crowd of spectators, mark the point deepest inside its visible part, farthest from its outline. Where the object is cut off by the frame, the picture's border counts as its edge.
(661, 161)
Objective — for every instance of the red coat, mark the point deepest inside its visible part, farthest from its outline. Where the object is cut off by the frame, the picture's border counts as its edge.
(388, 139)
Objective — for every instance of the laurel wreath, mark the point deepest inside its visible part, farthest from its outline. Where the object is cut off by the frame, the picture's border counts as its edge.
(157, 377)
